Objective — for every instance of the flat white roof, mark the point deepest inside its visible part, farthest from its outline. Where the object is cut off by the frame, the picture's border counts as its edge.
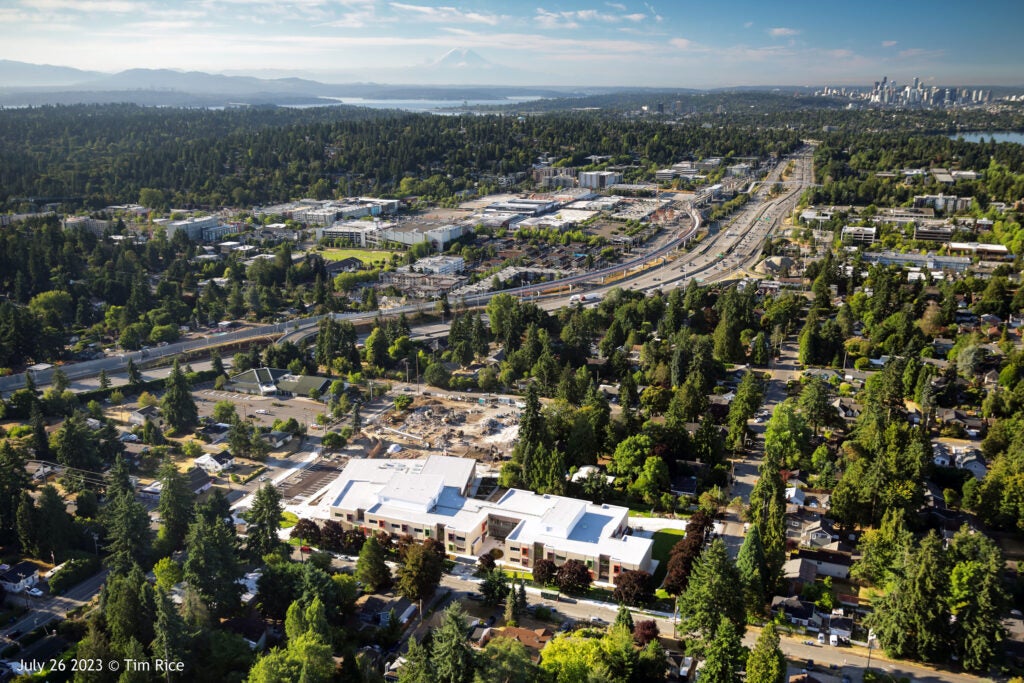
(429, 492)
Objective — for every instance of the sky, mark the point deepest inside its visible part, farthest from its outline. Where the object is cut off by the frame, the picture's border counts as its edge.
(657, 43)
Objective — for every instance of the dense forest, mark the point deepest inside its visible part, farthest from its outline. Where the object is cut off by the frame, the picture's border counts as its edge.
(94, 156)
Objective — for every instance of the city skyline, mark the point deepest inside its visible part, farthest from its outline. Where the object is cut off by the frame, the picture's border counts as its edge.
(653, 44)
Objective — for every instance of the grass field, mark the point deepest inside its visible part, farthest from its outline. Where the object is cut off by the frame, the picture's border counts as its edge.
(663, 542)
(367, 256)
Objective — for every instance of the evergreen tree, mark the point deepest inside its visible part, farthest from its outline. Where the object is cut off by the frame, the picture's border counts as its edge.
(521, 603)
(511, 613)
(264, 520)
(212, 566)
(750, 563)
(54, 526)
(25, 522)
(179, 409)
(913, 619)
(170, 639)
(39, 443)
(104, 380)
(724, 655)
(127, 534)
(175, 506)
(217, 363)
(417, 668)
(13, 480)
(371, 568)
(450, 656)
(127, 605)
(711, 594)
(766, 663)
(624, 618)
(134, 376)
(768, 514)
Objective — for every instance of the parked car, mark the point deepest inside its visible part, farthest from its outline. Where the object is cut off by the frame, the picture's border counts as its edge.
(476, 597)
(35, 592)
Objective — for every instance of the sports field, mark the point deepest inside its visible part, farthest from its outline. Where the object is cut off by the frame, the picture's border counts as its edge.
(369, 257)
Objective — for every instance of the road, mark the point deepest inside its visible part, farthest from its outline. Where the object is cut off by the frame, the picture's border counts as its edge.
(740, 243)
(50, 608)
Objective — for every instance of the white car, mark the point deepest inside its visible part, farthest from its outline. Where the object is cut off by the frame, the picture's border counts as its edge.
(262, 411)
(35, 592)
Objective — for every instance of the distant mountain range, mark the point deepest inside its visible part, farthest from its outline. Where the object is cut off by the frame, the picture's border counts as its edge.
(35, 84)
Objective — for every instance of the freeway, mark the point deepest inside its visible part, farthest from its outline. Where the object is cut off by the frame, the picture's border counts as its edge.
(738, 246)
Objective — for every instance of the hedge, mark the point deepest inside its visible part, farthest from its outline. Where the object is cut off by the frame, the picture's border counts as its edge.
(74, 572)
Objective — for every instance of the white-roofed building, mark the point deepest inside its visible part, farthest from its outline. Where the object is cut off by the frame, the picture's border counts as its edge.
(429, 499)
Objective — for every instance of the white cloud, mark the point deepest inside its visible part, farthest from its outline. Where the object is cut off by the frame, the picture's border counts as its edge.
(447, 14)
(920, 52)
(616, 5)
(113, 6)
(748, 24)
(889, 43)
(782, 32)
(554, 20)
(682, 43)
(637, 17)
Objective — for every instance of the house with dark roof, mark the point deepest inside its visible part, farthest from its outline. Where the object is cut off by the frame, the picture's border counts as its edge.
(143, 413)
(215, 463)
(20, 577)
(829, 563)
(276, 439)
(797, 611)
(198, 480)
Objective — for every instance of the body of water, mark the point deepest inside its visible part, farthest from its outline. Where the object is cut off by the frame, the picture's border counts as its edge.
(1001, 136)
(415, 105)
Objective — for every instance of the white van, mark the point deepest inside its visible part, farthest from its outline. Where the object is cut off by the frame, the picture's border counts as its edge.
(821, 638)
(833, 640)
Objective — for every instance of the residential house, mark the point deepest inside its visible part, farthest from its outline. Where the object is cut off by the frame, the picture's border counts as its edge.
(841, 626)
(973, 463)
(276, 439)
(252, 629)
(20, 577)
(139, 416)
(820, 534)
(829, 563)
(533, 639)
(797, 611)
(795, 495)
(847, 408)
(798, 572)
(215, 463)
(941, 455)
(198, 480)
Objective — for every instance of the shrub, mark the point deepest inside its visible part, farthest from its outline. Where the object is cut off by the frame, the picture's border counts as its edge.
(75, 571)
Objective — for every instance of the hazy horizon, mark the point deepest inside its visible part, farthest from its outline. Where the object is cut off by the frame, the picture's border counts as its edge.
(567, 44)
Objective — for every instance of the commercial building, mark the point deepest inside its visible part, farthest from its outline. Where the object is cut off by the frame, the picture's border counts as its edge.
(928, 261)
(205, 229)
(440, 265)
(942, 202)
(430, 498)
(599, 180)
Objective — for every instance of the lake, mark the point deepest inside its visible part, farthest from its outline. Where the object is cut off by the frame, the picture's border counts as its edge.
(416, 105)
(1000, 136)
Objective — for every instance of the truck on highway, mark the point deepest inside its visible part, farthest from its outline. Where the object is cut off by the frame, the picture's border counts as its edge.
(584, 299)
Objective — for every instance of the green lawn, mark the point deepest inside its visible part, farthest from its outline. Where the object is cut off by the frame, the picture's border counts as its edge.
(288, 520)
(663, 542)
(367, 256)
